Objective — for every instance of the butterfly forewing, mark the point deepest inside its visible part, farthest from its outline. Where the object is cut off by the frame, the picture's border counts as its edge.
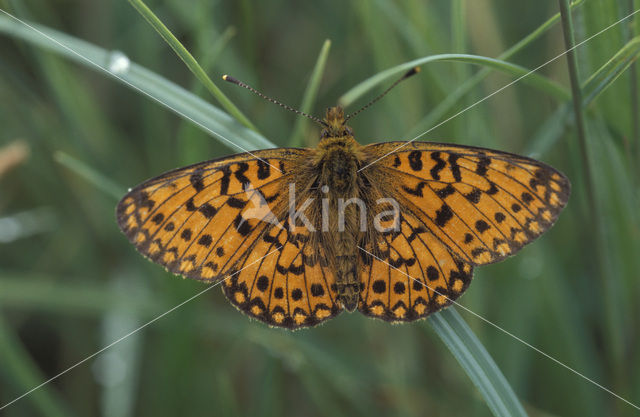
(483, 205)
(191, 219)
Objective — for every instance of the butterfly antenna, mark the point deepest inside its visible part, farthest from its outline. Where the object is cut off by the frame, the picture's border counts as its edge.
(411, 72)
(274, 101)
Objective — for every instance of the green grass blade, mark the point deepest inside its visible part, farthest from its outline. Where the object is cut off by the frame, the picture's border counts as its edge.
(538, 81)
(19, 370)
(192, 108)
(310, 94)
(90, 175)
(476, 362)
(51, 294)
(549, 133)
(610, 71)
(597, 231)
(190, 62)
(454, 97)
(555, 125)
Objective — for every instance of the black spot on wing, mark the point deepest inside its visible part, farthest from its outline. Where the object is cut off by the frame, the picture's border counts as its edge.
(483, 165)
(414, 160)
(417, 191)
(242, 226)
(439, 166)
(207, 210)
(196, 180)
(236, 203)
(190, 206)
(264, 170)
(455, 168)
(239, 173)
(205, 240)
(443, 215)
(446, 191)
(474, 196)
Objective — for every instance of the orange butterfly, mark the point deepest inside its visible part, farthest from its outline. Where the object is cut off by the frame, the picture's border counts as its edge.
(298, 235)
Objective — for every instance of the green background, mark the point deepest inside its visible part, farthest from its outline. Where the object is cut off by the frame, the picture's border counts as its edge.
(70, 283)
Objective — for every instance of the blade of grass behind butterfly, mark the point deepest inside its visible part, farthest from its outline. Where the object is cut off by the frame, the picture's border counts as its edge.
(451, 99)
(206, 116)
(554, 127)
(447, 104)
(310, 93)
(190, 62)
(596, 233)
(310, 353)
(191, 144)
(26, 291)
(419, 38)
(613, 179)
(535, 80)
(22, 374)
(476, 362)
(610, 71)
(89, 174)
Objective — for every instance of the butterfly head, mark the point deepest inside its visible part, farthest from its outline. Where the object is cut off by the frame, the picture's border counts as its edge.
(334, 124)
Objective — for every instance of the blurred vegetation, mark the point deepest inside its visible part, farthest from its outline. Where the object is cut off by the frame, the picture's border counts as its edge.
(73, 139)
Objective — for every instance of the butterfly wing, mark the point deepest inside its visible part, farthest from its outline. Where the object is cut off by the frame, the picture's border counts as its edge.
(459, 207)
(483, 205)
(409, 274)
(219, 218)
(283, 281)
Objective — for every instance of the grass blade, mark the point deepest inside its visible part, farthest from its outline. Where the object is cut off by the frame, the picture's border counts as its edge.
(310, 93)
(92, 176)
(190, 62)
(555, 125)
(454, 97)
(476, 362)
(610, 71)
(538, 81)
(597, 232)
(19, 368)
(211, 119)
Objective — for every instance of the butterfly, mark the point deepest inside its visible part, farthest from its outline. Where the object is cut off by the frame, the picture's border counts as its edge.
(296, 236)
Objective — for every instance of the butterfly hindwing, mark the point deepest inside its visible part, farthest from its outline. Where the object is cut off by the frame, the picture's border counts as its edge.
(283, 282)
(410, 274)
(483, 205)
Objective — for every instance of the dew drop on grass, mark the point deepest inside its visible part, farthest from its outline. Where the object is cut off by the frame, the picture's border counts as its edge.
(119, 63)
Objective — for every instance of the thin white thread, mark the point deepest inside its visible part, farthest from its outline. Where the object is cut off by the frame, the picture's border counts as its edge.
(500, 89)
(131, 333)
(506, 332)
(133, 86)
(238, 146)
